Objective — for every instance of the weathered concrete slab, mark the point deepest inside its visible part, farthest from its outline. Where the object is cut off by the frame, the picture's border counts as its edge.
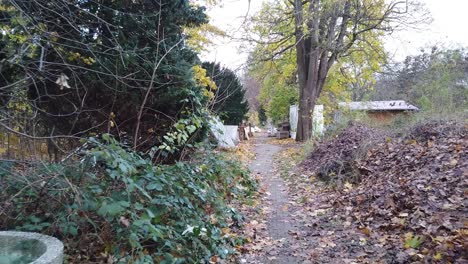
(28, 247)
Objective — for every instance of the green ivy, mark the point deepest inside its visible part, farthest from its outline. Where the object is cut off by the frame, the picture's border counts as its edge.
(131, 209)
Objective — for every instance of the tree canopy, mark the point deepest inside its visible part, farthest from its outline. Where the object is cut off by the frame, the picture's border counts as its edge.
(436, 80)
(275, 64)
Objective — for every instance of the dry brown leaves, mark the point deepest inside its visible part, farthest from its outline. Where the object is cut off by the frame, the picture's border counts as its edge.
(285, 141)
(334, 155)
(409, 208)
(242, 152)
(416, 186)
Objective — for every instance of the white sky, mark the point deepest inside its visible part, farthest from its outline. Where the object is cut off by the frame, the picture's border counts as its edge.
(449, 27)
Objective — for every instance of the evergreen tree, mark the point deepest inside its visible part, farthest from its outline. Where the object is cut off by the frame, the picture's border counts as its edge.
(262, 115)
(229, 102)
(101, 66)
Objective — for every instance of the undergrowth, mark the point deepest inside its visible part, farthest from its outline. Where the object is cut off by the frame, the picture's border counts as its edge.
(114, 206)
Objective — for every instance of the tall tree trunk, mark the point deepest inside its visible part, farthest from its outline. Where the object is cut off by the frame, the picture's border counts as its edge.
(302, 124)
(308, 60)
(315, 54)
(308, 98)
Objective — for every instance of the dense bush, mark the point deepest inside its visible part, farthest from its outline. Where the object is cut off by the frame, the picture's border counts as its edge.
(85, 67)
(113, 205)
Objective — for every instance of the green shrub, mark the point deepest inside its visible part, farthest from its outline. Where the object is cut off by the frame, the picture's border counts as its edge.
(116, 205)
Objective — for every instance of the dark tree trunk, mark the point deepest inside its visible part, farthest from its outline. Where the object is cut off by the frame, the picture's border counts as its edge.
(332, 28)
(317, 50)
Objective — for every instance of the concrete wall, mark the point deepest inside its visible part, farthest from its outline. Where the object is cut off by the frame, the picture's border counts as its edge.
(317, 119)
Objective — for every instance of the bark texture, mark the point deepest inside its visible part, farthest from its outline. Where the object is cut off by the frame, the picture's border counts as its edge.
(324, 31)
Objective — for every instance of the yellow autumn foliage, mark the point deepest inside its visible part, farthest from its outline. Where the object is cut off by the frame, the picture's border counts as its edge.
(75, 56)
(200, 38)
(203, 80)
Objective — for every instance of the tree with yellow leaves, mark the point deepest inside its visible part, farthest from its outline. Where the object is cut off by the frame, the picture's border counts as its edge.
(324, 34)
(274, 63)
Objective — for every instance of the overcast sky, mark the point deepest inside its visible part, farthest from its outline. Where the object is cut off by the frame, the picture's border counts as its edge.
(449, 27)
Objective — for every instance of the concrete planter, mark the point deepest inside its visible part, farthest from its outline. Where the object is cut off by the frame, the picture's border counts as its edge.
(32, 248)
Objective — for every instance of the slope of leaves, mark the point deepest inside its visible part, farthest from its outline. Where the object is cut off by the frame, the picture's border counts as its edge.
(332, 159)
(416, 185)
(409, 206)
(117, 207)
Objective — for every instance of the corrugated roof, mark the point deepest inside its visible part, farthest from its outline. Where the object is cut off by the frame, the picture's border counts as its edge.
(379, 105)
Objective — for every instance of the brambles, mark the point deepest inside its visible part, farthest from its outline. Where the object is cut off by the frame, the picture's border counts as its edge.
(80, 68)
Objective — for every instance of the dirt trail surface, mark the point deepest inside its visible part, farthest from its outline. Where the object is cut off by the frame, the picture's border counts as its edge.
(274, 240)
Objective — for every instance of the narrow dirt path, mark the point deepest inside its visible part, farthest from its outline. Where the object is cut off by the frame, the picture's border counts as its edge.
(279, 222)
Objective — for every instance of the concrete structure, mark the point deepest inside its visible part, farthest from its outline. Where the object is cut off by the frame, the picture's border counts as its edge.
(318, 120)
(27, 247)
(227, 136)
(381, 111)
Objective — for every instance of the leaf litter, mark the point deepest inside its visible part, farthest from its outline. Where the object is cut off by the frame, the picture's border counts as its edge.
(394, 198)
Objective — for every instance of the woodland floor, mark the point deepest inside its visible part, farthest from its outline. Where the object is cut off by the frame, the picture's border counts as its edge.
(406, 206)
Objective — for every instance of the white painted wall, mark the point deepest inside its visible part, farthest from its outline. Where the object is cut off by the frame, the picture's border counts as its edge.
(318, 119)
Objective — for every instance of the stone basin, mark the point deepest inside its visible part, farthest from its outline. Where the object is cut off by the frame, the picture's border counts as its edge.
(29, 248)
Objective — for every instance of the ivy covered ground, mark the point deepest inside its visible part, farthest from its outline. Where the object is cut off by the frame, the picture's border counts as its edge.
(113, 206)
